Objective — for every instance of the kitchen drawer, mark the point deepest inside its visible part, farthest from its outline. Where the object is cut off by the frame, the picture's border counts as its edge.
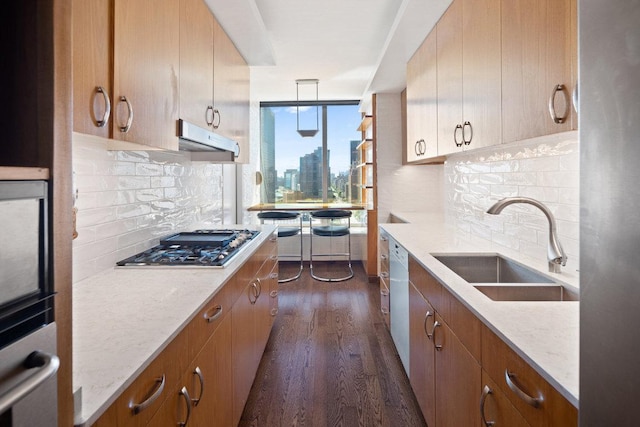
(429, 287)
(552, 410)
(384, 301)
(204, 324)
(496, 408)
(169, 364)
(463, 322)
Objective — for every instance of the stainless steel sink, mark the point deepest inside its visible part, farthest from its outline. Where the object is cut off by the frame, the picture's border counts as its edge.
(491, 268)
(503, 279)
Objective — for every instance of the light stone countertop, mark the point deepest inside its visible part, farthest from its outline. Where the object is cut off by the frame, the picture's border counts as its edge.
(545, 334)
(124, 317)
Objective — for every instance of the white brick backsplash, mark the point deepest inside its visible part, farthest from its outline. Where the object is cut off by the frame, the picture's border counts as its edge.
(546, 169)
(129, 199)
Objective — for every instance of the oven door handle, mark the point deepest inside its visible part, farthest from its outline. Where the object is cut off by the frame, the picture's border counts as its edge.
(47, 365)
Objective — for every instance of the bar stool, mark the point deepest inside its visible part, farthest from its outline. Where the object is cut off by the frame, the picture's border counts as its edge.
(286, 231)
(332, 224)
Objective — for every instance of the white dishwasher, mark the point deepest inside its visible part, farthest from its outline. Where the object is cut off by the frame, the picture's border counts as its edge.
(399, 300)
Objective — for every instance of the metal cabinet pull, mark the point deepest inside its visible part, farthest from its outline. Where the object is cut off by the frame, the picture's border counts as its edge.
(420, 148)
(552, 105)
(384, 257)
(455, 135)
(384, 293)
(437, 346)
(47, 365)
(217, 312)
(209, 113)
(197, 372)
(136, 408)
(273, 294)
(127, 125)
(259, 287)
(107, 108)
(216, 112)
(509, 377)
(429, 335)
(384, 311)
(464, 139)
(384, 275)
(253, 291)
(486, 391)
(574, 97)
(185, 394)
(274, 312)
(384, 238)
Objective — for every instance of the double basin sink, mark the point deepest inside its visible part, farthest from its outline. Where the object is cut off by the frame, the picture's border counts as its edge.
(503, 279)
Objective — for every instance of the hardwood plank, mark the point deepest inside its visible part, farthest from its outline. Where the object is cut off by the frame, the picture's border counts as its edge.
(330, 360)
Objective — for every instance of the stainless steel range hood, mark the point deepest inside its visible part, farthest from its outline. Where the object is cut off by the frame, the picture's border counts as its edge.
(206, 145)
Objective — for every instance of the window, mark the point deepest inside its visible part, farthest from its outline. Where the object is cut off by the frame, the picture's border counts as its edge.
(318, 169)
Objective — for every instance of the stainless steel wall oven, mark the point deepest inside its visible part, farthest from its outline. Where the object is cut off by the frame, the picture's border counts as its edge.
(27, 329)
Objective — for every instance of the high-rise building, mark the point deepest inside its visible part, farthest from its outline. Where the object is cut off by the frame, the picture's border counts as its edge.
(291, 179)
(268, 158)
(311, 175)
(354, 174)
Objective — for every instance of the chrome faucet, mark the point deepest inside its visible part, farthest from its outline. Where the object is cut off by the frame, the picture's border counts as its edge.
(555, 253)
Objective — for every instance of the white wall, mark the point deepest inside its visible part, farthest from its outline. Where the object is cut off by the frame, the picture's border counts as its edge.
(128, 199)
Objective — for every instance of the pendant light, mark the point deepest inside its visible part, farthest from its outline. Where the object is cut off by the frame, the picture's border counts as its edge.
(307, 133)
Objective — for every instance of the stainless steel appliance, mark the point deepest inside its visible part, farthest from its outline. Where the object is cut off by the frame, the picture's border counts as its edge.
(28, 364)
(207, 248)
(399, 300)
(609, 51)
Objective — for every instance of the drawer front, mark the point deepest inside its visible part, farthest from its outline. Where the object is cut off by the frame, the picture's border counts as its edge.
(429, 287)
(463, 322)
(169, 364)
(496, 408)
(538, 402)
(208, 319)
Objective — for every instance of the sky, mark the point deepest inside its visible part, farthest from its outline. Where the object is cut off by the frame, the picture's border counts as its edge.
(343, 122)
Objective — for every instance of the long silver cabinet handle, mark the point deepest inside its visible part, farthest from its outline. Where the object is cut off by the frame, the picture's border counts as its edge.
(455, 135)
(464, 138)
(426, 316)
(384, 275)
(486, 391)
(259, 287)
(552, 105)
(185, 394)
(197, 372)
(253, 291)
(216, 112)
(509, 378)
(217, 312)
(437, 346)
(107, 107)
(136, 408)
(127, 125)
(209, 113)
(48, 365)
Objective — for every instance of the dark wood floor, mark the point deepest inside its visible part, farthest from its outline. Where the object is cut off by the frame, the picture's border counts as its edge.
(330, 360)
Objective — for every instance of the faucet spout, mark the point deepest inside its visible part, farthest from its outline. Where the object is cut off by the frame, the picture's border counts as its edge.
(555, 254)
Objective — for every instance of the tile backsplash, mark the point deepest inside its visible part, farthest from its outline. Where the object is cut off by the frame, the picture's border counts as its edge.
(546, 169)
(128, 199)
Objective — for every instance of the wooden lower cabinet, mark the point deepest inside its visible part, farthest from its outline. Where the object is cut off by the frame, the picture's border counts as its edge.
(422, 354)
(458, 377)
(202, 397)
(454, 358)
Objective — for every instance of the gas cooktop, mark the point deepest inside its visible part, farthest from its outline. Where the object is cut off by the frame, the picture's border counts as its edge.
(208, 248)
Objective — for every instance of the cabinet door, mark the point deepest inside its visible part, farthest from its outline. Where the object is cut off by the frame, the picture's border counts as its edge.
(422, 354)
(196, 63)
(449, 59)
(146, 71)
(231, 92)
(536, 57)
(243, 348)
(422, 108)
(496, 408)
(92, 65)
(481, 59)
(458, 380)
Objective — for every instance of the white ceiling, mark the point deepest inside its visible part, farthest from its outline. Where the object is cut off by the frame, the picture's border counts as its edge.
(353, 47)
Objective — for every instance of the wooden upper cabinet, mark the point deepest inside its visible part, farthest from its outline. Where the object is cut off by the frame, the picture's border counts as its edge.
(146, 72)
(422, 108)
(92, 66)
(449, 54)
(481, 84)
(230, 92)
(196, 63)
(469, 61)
(536, 58)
